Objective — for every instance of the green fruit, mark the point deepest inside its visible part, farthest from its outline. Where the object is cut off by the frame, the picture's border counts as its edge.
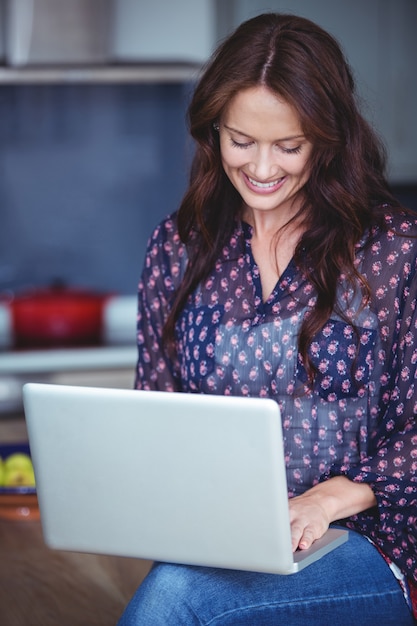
(1, 472)
(18, 460)
(18, 471)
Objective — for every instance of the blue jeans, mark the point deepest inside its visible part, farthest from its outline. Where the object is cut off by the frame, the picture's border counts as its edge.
(350, 586)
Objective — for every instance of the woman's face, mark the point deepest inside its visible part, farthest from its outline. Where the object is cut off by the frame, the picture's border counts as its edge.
(264, 152)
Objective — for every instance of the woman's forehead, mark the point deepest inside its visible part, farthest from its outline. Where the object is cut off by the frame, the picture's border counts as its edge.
(259, 110)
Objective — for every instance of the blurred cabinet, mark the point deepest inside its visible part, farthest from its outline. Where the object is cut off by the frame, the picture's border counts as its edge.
(47, 31)
(75, 32)
(163, 30)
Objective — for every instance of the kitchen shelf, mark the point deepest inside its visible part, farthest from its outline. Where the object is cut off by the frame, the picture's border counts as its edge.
(71, 359)
(141, 73)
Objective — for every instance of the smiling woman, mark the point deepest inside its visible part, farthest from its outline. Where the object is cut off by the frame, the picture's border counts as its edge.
(290, 272)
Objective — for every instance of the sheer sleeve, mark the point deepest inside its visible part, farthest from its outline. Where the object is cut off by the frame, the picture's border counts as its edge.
(163, 268)
(391, 465)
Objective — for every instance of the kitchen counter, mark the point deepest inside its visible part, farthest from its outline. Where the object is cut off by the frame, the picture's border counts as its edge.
(106, 366)
(56, 360)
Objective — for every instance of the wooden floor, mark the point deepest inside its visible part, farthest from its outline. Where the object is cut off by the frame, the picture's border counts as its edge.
(43, 587)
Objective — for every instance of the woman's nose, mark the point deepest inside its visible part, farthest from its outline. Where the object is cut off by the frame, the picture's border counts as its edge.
(264, 165)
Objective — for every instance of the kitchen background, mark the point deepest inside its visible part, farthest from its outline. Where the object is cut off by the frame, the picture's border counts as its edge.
(94, 149)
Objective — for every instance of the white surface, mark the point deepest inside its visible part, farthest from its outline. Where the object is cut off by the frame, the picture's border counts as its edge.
(111, 74)
(163, 30)
(5, 326)
(186, 478)
(119, 320)
(49, 361)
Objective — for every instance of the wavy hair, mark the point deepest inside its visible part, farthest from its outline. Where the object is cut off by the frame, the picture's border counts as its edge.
(305, 66)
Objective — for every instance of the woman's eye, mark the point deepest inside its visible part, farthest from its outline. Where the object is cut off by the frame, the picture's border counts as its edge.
(248, 144)
(237, 144)
(292, 150)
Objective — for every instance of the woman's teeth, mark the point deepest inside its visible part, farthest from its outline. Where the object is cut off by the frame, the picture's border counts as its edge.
(264, 185)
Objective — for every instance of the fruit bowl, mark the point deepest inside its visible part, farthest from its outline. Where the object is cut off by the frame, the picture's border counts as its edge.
(17, 502)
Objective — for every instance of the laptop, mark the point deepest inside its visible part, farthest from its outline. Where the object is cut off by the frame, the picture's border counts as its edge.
(176, 477)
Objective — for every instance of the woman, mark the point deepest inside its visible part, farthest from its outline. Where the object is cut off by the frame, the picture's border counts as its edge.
(289, 271)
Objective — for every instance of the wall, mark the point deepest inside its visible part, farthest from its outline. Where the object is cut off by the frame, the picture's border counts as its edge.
(86, 171)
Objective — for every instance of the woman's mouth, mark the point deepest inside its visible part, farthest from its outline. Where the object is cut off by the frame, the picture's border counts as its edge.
(258, 187)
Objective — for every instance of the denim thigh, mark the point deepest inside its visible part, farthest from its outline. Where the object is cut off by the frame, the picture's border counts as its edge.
(351, 585)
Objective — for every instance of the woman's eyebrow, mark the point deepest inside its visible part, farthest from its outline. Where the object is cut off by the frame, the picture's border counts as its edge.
(239, 132)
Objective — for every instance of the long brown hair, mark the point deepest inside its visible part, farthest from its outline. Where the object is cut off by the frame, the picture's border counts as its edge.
(304, 65)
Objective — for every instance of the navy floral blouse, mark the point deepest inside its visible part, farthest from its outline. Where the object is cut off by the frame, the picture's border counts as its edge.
(359, 419)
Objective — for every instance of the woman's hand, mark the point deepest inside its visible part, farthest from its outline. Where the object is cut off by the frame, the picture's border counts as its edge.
(313, 511)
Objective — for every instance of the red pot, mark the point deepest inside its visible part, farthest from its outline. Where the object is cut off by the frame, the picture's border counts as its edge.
(57, 316)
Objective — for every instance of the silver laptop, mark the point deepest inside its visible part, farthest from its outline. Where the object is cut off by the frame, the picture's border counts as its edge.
(185, 478)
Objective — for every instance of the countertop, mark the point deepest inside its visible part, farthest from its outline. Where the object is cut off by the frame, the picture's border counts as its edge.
(69, 359)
